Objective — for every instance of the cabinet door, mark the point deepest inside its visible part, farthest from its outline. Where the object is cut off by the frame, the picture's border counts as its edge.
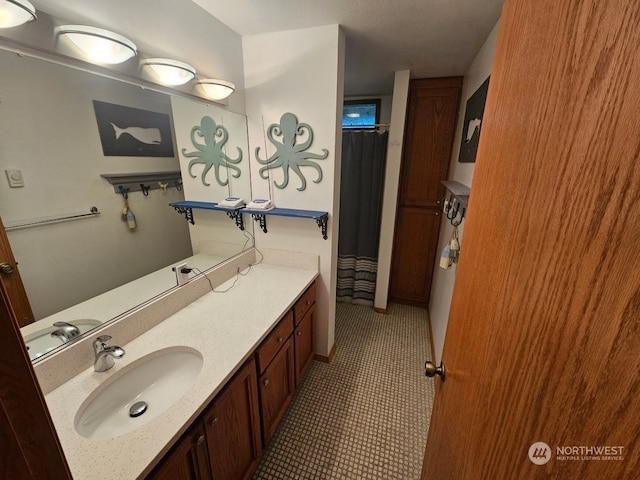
(233, 429)
(187, 460)
(277, 385)
(303, 344)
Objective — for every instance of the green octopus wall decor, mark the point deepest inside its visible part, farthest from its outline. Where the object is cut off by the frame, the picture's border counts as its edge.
(211, 153)
(289, 154)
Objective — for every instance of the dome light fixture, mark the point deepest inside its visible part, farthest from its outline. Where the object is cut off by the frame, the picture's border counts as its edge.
(101, 46)
(216, 89)
(170, 72)
(16, 12)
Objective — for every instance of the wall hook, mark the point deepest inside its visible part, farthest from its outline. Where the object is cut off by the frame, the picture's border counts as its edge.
(179, 185)
(145, 189)
(124, 191)
(163, 186)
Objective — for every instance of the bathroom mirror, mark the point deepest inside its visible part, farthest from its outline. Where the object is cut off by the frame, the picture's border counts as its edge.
(90, 270)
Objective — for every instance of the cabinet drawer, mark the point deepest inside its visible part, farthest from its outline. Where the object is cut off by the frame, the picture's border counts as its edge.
(276, 339)
(307, 299)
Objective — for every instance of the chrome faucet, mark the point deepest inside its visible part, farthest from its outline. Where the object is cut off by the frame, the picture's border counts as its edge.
(65, 331)
(105, 354)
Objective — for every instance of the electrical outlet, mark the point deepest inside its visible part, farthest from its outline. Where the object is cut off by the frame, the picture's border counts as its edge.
(181, 278)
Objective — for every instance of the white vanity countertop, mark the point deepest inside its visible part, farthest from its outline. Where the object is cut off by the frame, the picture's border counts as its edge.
(224, 327)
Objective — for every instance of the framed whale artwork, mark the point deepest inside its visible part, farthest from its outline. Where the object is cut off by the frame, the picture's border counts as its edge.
(473, 124)
(132, 132)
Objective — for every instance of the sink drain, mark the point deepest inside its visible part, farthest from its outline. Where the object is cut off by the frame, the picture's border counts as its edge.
(137, 409)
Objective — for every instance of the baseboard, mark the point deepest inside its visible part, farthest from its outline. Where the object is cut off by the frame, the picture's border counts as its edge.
(326, 359)
(380, 310)
(433, 348)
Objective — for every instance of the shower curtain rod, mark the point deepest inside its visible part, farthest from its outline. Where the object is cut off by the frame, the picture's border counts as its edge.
(365, 127)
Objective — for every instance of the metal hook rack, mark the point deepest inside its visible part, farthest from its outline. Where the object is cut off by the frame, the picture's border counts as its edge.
(125, 183)
(455, 207)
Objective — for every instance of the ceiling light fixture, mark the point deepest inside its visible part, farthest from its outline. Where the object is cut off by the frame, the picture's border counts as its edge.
(216, 89)
(16, 12)
(100, 45)
(170, 72)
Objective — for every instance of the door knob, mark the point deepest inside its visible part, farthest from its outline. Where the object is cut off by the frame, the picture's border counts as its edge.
(6, 268)
(430, 370)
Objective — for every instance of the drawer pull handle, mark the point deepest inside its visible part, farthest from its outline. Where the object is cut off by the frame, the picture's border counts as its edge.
(214, 422)
(280, 339)
(200, 440)
(266, 382)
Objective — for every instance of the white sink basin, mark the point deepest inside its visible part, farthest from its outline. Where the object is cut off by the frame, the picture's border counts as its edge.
(158, 379)
(42, 342)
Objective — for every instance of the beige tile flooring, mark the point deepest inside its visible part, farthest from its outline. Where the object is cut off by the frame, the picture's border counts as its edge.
(365, 415)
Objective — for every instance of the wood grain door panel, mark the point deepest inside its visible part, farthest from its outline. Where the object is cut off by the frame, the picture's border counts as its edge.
(187, 460)
(414, 254)
(12, 283)
(431, 124)
(277, 386)
(303, 344)
(232, 426)
(542, 340)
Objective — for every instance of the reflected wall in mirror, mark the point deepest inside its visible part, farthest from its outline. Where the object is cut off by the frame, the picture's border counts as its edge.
(91, 270)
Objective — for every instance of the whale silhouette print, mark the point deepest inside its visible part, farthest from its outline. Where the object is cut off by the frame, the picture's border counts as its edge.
(150, 136)
(474, 126)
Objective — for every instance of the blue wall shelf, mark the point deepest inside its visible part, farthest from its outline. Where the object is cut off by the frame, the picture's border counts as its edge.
(186, 208)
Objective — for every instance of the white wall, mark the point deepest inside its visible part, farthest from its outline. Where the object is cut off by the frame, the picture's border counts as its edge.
(443, 280)
(391, 186)
(301, 72)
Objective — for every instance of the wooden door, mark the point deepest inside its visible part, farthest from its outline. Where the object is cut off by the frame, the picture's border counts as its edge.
(12, 283)
(277, 386)
(29, 443)
(303, 344)
(544, 328)
(232, 426)
(187, 460)
(431, 122)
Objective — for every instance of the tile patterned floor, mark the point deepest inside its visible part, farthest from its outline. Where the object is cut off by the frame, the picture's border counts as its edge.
(365, 415)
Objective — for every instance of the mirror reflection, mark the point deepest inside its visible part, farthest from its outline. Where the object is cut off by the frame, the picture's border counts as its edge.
(83, 272)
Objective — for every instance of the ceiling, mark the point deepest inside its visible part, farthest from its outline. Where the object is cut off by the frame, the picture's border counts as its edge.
(432, 38)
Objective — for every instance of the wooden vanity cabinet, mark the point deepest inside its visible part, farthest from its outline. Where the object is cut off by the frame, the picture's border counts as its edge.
(226, 441)
(277, 375)
(232, 426)
(187, 460)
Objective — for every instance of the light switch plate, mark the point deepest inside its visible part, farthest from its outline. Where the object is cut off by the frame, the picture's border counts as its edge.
(15, 178)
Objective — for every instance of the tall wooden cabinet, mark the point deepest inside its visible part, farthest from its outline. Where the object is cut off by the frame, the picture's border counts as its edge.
(430, 128)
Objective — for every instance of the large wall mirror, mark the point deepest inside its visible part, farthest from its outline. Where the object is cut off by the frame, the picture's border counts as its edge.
(87, 271)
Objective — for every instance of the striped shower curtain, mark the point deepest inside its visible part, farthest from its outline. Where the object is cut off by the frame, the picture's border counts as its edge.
(363, 163)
